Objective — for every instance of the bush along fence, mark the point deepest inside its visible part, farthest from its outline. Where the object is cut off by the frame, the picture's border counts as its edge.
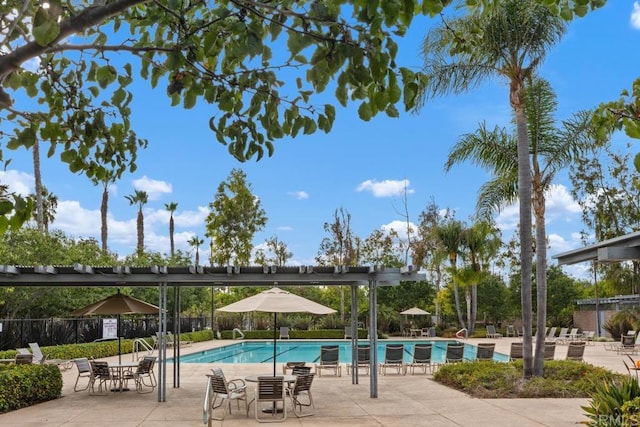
(16, 333)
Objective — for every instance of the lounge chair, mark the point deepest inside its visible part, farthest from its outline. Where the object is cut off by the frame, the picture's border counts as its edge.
(84, 371)
(516, 351)
(552, 333)
(348, 332)
(301, 370)
(363, 360)
(393, 358)
(455, 353)
(300, 394)
(572, 335)
(329, 359)
(23, 359)
(271, 390)
(284, 332)
(38, 357)
(562, 336)
(171, 338)
(421, 358)
(511, 331)
(485, 351)
(627, 345)
(576, 350)
(491, 332)
(589, 337)
(549, 350)
(290, 366)
(223, 392)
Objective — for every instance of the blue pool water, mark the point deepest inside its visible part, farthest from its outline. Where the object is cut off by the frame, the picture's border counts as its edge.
(309, 351)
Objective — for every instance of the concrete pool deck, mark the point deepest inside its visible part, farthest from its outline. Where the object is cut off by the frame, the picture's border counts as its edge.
(414, 400)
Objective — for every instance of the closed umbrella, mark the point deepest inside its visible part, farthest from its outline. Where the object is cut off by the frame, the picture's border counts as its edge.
(118, 304)
(276, 300)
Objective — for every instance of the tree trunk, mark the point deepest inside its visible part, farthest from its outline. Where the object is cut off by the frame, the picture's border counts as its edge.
(171, 231)
(467, 297)
(524, 193)
(456, 296)
(37, 176)
(474, 308)
(541, 279)
(140, 226)
(104, 206)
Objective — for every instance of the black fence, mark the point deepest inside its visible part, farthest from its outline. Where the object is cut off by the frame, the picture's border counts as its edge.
(17, 333)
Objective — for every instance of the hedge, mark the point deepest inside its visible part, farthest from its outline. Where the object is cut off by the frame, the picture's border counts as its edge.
(26, 385)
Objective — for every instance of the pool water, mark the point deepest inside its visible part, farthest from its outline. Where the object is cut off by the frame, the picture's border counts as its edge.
(309, 351)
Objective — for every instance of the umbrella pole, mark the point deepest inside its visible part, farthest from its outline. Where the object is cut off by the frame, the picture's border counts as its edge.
(275, 315)
(119, 343)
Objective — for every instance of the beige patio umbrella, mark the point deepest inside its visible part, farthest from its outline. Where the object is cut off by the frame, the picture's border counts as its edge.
(276, 300)
(415, 311)
(118, 304)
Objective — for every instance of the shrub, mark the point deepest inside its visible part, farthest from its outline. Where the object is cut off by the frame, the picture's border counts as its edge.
(621, 322)
(26, 385)
(562, 378)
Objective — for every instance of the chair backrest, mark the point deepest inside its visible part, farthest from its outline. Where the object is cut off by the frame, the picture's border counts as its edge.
(329, 354)
(364, 351)
(576, 350)
(552, 332)
(145, 366)
(432, 331)
(394, 353)
(348, 332)
(563, 333)
(284, 332)
(455, 353)
(303, 383)
(549, 350)
(491, 330)
(82, 364)
(516, 351)
(422, 353)
(218, 383)
(270, 388)
(628, 341)
(24, 359)
(574, 332)
(37, 352)
(301, 370)
(511, 330)
(485, 351)
(99, 368)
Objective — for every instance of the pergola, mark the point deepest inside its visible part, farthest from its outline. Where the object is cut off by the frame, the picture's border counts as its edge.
(622, 248)
(177, 277)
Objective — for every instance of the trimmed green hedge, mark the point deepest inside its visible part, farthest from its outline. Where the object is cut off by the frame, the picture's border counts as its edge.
(101, 349)
(318, 334)
(26, 385)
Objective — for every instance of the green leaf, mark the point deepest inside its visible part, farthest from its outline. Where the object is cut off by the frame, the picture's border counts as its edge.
(45, 27)
(190, 99)
(5, 206)
(392, 111)
(364, 111)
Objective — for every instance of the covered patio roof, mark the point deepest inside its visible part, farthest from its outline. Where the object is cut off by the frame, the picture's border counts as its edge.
(618, 249)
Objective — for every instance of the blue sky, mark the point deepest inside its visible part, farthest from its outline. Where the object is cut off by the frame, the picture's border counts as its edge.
(362, 167)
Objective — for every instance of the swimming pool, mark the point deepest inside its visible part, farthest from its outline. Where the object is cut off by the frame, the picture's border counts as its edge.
(309, 351)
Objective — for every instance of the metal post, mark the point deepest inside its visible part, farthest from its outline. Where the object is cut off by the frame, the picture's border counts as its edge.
(176, 337)
(354, 334)
(595, 282)
(162, 345)
(373, 338)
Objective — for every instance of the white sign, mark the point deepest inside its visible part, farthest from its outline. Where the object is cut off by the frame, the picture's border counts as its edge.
(0, 327)
(109, 328)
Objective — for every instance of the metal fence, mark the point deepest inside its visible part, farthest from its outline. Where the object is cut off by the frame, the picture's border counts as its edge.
(16, 333)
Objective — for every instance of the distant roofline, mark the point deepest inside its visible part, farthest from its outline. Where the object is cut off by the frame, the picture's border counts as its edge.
(617, 249)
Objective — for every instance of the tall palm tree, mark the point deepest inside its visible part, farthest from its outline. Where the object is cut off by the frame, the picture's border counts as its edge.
(106, 180)
(139, 198)
(450, 235)
(551, 149)
(171, 207)
(509, 39)
(46, 214)
(195, 241)
(37, 177)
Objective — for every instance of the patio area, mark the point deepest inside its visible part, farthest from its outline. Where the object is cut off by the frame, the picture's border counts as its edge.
(402, 400)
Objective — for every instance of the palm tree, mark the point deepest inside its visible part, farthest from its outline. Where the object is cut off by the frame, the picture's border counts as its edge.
(551, 149)
(171, 207)
(509, 39)
(46, 214)
(140, 198)
(106, 180)
(450, 235)
(37, 176)
(195, 241)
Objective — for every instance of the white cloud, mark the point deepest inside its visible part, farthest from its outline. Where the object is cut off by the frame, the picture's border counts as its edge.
(284, 228)
(18, 182)
(300, 195)
(154, 188)
(399, 227)
(386, 188)
(635, 16)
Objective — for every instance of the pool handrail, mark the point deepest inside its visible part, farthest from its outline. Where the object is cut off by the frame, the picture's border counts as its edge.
(239, 332)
